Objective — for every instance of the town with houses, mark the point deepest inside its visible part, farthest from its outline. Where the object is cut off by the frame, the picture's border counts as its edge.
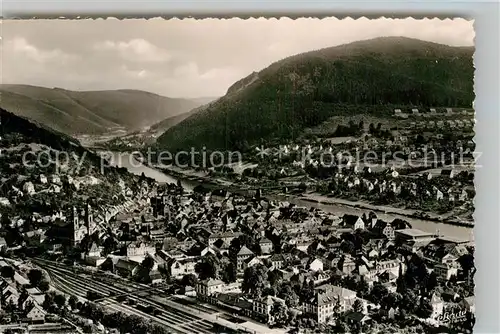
(104, 253)
(349, 208)
(191, 261)
(405, 168)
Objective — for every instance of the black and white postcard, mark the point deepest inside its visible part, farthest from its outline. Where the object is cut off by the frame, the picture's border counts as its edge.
(258, 176)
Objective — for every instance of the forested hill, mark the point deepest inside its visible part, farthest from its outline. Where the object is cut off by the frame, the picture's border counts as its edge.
(306, 89)
(20, 130)
(19, 135)
(30, 150)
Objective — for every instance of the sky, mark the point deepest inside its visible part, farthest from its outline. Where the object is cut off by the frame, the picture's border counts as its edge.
(184, 58)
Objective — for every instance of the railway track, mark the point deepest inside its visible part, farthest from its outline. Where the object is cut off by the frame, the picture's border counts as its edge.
(79, 289)
(172, 321)
(173, 318)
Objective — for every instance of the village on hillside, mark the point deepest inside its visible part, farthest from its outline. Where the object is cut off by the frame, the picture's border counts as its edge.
(238, 176)
(424, 170)
(253, 262)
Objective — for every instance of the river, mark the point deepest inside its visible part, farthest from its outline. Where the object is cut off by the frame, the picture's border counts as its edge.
(452, 231)
(136, 167)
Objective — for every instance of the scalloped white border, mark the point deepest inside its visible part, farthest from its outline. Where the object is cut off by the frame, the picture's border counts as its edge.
(486, 25)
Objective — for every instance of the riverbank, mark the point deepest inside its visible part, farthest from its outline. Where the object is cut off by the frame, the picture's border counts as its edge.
(192, 179)
(324, 200)
(316, 198)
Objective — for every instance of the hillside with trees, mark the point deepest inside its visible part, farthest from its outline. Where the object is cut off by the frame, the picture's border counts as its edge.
(169, 122)
(365, 77)
(43, 170)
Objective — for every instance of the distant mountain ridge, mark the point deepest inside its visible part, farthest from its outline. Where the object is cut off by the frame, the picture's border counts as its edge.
(92, 112)
(306, 89)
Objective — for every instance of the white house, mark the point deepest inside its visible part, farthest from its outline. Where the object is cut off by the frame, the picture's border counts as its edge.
(177, 268)
(55, 189)
(328, 301)
(463, 195)
(4, 201)
(354, 222)
(439, 195)
(29, 188)
(437, 306)
(95, 251)
(140, 250)
(316, 265)
(262, 306)
(56, 179)
(208, 287)
(266, 246)
(35, 313)
(445, 270)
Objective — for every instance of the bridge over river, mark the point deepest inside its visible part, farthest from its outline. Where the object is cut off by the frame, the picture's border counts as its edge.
(452, 231)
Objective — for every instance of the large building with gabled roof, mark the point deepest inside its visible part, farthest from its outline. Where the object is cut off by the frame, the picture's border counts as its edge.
(328, 301)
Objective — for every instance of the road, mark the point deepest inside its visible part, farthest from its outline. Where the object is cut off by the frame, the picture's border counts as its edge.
(176, 317)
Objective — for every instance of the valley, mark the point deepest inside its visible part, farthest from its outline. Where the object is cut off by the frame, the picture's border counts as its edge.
(331, 191)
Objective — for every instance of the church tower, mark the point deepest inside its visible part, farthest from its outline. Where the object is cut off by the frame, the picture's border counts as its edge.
(76, 227)
(89, 219)
(76, 221)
